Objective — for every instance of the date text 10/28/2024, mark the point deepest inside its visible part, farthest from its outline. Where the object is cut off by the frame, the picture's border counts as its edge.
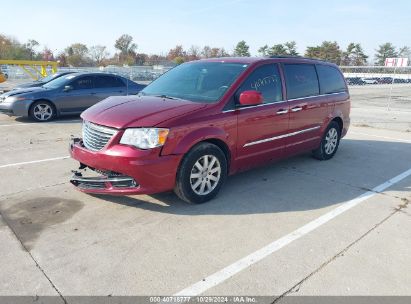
(203, 299)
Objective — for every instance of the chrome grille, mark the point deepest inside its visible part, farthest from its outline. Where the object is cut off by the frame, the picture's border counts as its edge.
(95, 137)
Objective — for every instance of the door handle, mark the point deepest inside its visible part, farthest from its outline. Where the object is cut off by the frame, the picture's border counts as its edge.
(282, 111)
(296, 109)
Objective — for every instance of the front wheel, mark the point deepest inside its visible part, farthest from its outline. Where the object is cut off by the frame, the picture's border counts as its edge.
(42, 111)
(329, 142)
(201, 174)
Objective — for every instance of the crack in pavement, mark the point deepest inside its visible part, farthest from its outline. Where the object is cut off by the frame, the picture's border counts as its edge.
(295, 288)
(33, 259)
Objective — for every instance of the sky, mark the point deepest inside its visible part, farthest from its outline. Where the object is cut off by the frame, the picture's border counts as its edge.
(158, 25)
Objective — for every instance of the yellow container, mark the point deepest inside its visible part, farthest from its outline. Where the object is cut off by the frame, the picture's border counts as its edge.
(2, 78)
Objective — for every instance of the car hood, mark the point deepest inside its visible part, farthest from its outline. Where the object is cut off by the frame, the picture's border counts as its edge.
(29, 85)
(23, 91)
(138, 111)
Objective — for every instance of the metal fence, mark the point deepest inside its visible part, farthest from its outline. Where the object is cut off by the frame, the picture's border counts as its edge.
(136, 73)
(362, 75)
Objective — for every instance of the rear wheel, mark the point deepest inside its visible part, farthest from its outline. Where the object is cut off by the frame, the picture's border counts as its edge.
(201, 174)
(42, 111)
(329, 143)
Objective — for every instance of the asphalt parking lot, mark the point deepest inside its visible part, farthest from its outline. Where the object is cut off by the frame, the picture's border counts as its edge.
(297, 227)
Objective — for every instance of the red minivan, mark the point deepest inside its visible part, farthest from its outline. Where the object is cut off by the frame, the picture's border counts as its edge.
(204, 120)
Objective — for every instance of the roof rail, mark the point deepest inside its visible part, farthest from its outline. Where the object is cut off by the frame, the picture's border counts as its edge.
(286, 56)
(299, 57)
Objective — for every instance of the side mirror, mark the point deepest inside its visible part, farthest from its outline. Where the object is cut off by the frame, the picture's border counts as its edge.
(67, 88)
(251, 98)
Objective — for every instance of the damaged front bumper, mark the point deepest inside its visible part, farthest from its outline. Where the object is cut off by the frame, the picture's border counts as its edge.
(102, 182)
(122, 170)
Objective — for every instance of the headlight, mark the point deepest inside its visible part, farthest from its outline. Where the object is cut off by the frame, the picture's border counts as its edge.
(144, 138)
(15, 98)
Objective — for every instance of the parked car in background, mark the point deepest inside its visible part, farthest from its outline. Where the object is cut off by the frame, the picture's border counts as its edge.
(400, 80)
(206, 119)
(355, 81)
(4, 70)
(370, 80)
(385, 80)
(69, 94)
(42, 81)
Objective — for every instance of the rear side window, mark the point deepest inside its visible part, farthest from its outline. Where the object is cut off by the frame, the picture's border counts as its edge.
(108, 82)
(301, 80)
(266, 80)
(331, 80)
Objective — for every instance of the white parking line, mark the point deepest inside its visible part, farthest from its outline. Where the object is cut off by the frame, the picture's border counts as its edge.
(383, 137)
(34, 161)
(227, 272)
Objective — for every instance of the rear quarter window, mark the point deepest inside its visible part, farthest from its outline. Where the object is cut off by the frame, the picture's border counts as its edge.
(331, 80)
(301, 80)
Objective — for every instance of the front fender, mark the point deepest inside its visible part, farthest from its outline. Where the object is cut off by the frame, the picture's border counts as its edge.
(181, 144)
(21, 108)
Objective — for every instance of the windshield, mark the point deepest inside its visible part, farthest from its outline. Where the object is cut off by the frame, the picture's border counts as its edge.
(196, 81)
(47, 78)
(58, 82)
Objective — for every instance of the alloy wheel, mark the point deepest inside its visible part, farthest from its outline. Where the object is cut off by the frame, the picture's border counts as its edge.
(331, 141)
(205, 174)
(43, 112)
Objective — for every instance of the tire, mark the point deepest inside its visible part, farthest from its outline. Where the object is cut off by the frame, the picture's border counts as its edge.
(329, 142)
(196, 184)
(42, 111)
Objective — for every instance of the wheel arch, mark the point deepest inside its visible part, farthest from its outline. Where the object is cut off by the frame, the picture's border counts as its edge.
(30, 106)
(212, 135)
(43, 99)
(339, 121)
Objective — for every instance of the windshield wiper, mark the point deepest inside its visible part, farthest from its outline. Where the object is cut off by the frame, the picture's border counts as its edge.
(167, 97)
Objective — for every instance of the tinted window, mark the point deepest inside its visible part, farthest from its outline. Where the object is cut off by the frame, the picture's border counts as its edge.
(82, 83)
(267, 81)
(331, 80)
(301, 80)
(108, 82)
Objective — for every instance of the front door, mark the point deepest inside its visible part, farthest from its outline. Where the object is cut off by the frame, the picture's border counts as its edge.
(261, 128)
(81, 96)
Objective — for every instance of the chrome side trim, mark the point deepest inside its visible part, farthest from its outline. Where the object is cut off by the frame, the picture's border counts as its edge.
(312, 96)
(280, 136)
(251, 107)
(283, 101)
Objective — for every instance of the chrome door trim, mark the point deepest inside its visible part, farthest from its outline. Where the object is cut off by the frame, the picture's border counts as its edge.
(283, 101)
(251, 107)
(280, 136)
(312, 96)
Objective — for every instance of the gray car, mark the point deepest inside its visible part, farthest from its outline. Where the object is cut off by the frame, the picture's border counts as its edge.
(66, 95)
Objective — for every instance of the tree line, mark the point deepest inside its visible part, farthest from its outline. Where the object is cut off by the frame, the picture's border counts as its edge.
(79, 54)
